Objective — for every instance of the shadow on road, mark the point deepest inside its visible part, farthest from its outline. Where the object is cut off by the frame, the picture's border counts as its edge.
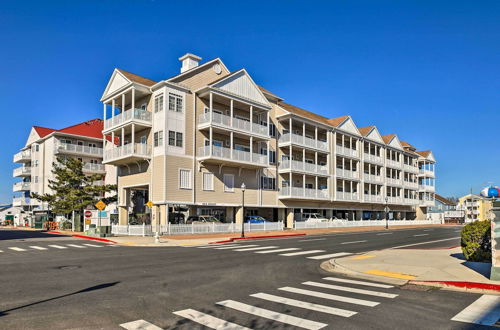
(10, 234)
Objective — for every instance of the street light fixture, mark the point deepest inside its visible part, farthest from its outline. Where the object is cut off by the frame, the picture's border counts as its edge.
(386, 213)
(243, 187)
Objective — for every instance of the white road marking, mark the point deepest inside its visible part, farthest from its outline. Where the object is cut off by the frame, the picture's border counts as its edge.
(330, 296)
(353, 242)
(343, 280)
(208, 320)
(428, 229)
(91, 245)
(17, 249)
(257, 248)
(312, 239)
(272, 315)
(485, 311)
(423, 243)
(278, 250)
(139, 325)
(37, 247)
(236, 247)
(385, 234)
(301, 253)
(349, 289)
(1, 251)
(305, 305)
(76, 246)
(58, 246)
(420, 235)
(333, 255)
(214, 246)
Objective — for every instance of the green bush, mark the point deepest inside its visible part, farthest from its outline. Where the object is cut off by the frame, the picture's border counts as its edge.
(66, 225)
(476, 241)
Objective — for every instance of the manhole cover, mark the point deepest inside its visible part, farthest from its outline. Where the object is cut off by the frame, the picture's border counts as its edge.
(68, 267)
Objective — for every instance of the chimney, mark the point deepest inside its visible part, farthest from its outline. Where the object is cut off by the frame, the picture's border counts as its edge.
(189, 61)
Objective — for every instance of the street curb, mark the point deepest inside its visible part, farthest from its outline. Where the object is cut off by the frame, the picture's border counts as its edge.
(255, 237)
(461, 286)
(83, 237)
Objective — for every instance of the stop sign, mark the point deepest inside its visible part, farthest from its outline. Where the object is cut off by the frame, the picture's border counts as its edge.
(88, 214)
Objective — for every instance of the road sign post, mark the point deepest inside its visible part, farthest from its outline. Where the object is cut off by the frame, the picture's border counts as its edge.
(100, 205)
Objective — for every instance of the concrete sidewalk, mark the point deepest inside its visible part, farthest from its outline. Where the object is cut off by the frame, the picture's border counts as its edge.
(445, 268)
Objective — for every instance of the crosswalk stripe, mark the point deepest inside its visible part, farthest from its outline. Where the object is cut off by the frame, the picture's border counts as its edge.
(139, 325)
(330, 296)
(333, 255)
(278, 250)
(343, 280)
(76, 246)
(17, 249)
(235, 247)
(209, 320)
(91, 245)
(353, 290)
(301, 253)
(214, 246)
(257, 248)
(37, 247)
(485, 311)
(58, 246)
(272, 315)
(305, 305)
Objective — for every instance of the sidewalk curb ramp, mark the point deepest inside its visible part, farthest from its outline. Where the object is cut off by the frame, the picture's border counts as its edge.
(255, 237)
(82, 237)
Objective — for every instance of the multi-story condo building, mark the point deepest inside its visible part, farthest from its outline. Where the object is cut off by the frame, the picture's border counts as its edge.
(43, 146)
(476, 207)
(194, 139)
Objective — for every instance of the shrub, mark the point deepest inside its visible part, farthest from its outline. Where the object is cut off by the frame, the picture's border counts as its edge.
(66, 225)
(476, 241)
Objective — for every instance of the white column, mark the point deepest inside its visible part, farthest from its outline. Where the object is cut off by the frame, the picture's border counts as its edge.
(268, 151)
(316, 135)
(316, 185)
(113, 145)
(231, 109)
(133, 136)
(303, 132)
(210, 105)
(123, 137)
(304, 184)
(251, 118)
(290, 127)
(231, 142)
(133, 98)
(251, 148)
(113, 108)
(303, 159)
(211, 146)
(268, 123)
(123, 102)
(316, 158)
(343, 141)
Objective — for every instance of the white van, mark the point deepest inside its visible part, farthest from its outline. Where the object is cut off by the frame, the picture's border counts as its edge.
(313, 217)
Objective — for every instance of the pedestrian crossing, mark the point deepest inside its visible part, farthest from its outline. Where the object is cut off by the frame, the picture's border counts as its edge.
(273, 249)
(48, 247)
(297, 306)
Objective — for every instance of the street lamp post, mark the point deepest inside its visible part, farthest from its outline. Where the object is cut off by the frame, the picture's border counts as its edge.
(386, 213)
(243, 209)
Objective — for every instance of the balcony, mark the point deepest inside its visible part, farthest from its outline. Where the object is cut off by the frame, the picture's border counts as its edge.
(303, 193)
(23, 156)
(428, 203)
(22, 171)
(347, 196)
(94, 168)
(372, 178)
(411, 201)
(137, 116)
(226, 156)
(348, 152)
(128, 153)
(373, 159)
(21, 186)
(303, 167)
(20, 201)
(426, 173)
(347, 174)
(426, 188)
(471, 204)
(394, 200)
(394, 181)
(410, 168)
(410, 185)
(303, 141)
(75, 149)
(237, 124)
(373, 198)
(393, 163)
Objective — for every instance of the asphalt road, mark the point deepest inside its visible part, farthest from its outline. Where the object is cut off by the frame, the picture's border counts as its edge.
(55, 282)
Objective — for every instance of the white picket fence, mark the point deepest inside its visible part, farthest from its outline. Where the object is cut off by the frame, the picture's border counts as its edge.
(132, 230)
(361, 223)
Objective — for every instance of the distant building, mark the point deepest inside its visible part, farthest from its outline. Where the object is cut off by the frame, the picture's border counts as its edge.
(476, 207)
(438, 211)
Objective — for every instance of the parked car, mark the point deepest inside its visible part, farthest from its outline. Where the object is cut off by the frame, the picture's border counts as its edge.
(313, 217)
(202, 219)
(255, 219)
(176, 217)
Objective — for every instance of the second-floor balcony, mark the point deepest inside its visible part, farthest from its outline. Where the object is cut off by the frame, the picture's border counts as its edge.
(303, 167)
(75, 149)
(128, 153)
(346, 196)
(139, 117)
(373, 159)
(348, 152)
(426, 188)
(394, 200)
(347, 174)
(23, 156)
(411, 201)
(22, 171)
(410, 185)
(234, 157)
(393, 181)
(426, 173)
(237, 124)
(393, 163)
(303, 141)
(21, 186)
(373, 198)
(94, 168)
(410, 168)
(303, 193)
(372, 178)
(20, 201)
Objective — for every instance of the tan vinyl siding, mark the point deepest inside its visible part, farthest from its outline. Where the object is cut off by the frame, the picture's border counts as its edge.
(200, 78)
(158, 178)
(174, 193)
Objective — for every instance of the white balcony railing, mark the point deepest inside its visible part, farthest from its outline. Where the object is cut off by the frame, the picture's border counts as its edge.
(236, 155)
(471, 204)
(78, 149)
(299, 192)
(393, 163)
(138, 115)
(373, 178)
(427, 202)
(346, 196)
(234, 123)
(411, 201)
(347, 174)
(393, 181)
(304, 141)
(394, 200)
(21, 186)
(20, 201)
(300, 166)
(427, 188)
(22, 171)
(373, 158)
(22, 156)
(410, 168)
(129, 150)
(89, 167)
(344, 151)
(411, 185)
(426, 173)
(373, 198)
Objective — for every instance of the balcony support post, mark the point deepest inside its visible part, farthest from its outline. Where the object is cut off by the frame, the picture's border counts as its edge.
(231, 109)
(268, 123)
(251, 118)
(304, 184)
(133, 137)
(303, 132)
(303, 159)
(211, 116)
(113, 104)
(251, 149)
(316, 136)
(211, 146)
(113, 140)
(316, 186)
(316, 159)
(133, 99)
(231, 137)
(267, 147)
(123, 137)
(123, 103)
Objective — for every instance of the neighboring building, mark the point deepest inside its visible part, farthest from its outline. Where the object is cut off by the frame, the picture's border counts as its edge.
(476, 207)
(13, 213)
(441, 209)
(193, 139)
(43, 146)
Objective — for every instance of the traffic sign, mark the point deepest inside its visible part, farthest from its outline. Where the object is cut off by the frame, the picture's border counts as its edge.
(149, 204)
(100, 205)
(88, 221)
(88, 214)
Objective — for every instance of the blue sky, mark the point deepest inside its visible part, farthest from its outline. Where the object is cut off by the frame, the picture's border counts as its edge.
(426, 70)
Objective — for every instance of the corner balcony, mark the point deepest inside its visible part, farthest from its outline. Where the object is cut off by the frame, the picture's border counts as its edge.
(23, 156)
(94, 168)
(372, 178)
(427, 203)
(373, 159)
(20, 201)
(411, 201)
(410, 168)
(303, 193)
(226, 156)
(393, 182)
(394, 200)
(426, 173)
(347, 196)
(302, 167)
(348, 152)
(426, 188)
(75, 149)
(141, 118)
(346, 174)
(410, 185)
(373, 198)
(129, 153)
(21, 186)
(22, 172)
(302, 141)
(236, 124)
(393, 163)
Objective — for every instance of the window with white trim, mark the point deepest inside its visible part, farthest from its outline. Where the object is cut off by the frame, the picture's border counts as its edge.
(272, 157)
(158, 139)
(175, 139)
(228, 182)
(175, 102)
(268, 183)
(272, 129)
(184, 179)
(208, 181)
(158, 103)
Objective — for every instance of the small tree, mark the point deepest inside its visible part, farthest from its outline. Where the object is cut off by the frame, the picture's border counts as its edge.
(73, 190)
(476, 241)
